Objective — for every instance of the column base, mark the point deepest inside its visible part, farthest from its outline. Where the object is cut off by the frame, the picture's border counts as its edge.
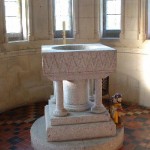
(77, 125)
(81, 131)
(92, 98)
(60, 113)
(98, 109)
(78, 108)
(53, 99)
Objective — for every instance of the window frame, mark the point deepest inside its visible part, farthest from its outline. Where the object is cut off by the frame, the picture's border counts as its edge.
(59, 33)
(108, 33)
(22, 35)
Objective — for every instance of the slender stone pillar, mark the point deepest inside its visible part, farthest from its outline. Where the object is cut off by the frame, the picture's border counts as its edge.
(53, 97)
(60, 111)
(91, 89)
(98, 106)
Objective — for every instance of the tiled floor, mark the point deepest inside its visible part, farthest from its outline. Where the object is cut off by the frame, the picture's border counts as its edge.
(15, 127)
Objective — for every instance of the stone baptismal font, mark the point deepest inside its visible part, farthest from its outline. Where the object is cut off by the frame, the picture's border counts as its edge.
(71, 120)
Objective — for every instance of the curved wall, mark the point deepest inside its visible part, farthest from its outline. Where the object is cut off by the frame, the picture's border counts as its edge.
(21, 79)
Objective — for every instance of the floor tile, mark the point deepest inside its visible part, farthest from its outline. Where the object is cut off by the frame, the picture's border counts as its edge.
(15, 127)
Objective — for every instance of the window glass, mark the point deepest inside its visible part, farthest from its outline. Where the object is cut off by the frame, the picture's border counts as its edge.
(12, 16)
(62, 13)
(15, 18)
(113, 22)
(111, 18)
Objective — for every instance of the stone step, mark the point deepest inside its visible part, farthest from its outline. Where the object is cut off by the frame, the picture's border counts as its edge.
(74, 117)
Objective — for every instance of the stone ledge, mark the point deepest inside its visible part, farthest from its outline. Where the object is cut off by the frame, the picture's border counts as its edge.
(81, 131)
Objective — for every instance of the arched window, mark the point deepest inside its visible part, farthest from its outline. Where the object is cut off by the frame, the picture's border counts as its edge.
(15, 18)
(111, 18)
(63, 13)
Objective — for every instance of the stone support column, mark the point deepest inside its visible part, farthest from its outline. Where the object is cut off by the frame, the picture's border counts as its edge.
(76, 95)
(3, 37)
(98, 106)
(53, 97)
(59, 111)
(91, 89)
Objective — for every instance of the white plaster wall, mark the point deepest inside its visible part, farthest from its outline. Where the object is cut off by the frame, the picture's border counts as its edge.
(132, 77)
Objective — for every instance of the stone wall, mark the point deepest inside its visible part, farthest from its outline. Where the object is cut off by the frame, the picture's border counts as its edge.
(21, 79)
